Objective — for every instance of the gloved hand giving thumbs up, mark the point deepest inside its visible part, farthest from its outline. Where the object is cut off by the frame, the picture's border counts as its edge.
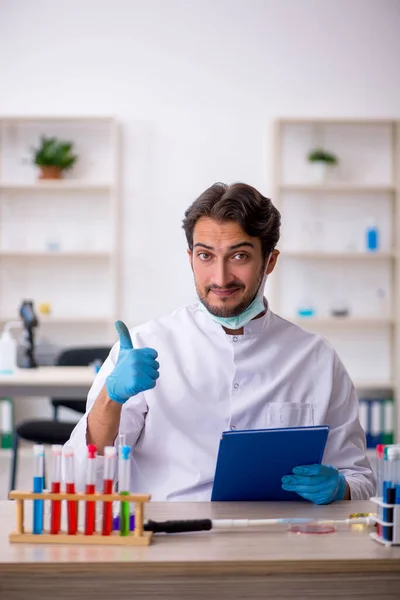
(136, 370)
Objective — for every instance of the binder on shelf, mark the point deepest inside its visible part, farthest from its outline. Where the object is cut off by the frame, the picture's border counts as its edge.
(377, 420)
(6, 422)
(251, 463)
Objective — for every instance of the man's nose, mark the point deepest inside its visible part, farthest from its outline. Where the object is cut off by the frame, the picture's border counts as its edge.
(222, 275)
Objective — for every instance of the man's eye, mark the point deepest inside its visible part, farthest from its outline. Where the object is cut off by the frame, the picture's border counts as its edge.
(240, 256)
(203, 255)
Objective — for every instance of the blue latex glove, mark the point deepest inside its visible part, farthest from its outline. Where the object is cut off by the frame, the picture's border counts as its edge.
(320, 484)
(135, 370)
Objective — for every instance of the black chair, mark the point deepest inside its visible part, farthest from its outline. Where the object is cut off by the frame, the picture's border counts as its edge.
(53, 431)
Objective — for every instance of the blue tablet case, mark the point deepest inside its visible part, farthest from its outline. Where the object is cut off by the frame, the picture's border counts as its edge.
(251, 463)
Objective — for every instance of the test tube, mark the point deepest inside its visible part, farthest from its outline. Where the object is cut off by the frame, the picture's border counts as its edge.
(396, 485)
(389, 490)
(379, 469)
(90, 512)
(55, 520)
(397, 476)
(379, 477)
(72, 506)
(38, 453)
(124, 487)
(121, 441)
(110, 454)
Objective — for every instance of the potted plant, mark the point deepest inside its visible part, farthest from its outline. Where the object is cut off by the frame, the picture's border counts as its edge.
(322, 161)
(53, 156)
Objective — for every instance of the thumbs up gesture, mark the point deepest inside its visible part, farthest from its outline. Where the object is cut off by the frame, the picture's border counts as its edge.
(136, 370)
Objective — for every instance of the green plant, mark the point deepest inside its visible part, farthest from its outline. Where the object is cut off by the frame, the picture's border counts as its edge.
(321, 155)
(53, 152)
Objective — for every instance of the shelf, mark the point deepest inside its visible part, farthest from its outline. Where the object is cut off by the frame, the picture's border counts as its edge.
(54, 254)
(338, 188)
(341, 321)
(373, 385)
(57, 118)
(337, 255)
(64, 185)
(44, 320)
(334, 121)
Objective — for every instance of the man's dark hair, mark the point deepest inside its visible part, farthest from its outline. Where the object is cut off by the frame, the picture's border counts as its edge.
(241, 203)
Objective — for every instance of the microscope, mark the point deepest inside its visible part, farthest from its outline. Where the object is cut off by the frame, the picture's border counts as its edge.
(30, 321)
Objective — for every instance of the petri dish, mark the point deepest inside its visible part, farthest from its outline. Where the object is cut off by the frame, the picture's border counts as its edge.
(312, 528)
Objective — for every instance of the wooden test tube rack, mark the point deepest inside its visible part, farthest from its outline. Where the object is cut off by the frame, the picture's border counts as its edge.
(138, 537)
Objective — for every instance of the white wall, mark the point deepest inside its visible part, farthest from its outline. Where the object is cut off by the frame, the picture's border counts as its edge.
(196, 85)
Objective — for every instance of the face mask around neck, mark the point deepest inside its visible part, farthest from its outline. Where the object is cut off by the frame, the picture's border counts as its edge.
(254, 309)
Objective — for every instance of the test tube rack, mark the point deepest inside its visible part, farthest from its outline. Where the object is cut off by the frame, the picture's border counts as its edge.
(138, 537)
(395, 525)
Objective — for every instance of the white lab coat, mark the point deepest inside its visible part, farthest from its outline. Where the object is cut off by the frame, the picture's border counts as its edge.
(274, 375)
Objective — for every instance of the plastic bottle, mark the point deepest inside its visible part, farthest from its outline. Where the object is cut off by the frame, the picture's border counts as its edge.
(8, 350)
(372, 236)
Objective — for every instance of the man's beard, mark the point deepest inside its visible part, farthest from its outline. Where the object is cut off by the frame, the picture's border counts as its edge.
(231, 311)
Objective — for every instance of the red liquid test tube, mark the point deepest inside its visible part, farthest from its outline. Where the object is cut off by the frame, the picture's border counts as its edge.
(72, 506)
(55, 519)
(110, 455)
(90, 508)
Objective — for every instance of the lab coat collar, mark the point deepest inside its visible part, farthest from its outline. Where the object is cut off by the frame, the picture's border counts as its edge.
(256, 326)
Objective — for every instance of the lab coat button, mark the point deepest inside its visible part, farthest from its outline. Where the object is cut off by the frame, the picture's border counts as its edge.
(236, 385)
(235, 338)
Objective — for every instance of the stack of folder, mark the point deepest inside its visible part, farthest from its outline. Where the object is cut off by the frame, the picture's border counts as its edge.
(377, 420)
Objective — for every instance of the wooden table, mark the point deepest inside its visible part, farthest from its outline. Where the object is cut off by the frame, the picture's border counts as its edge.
(273, 563)
(65, 382)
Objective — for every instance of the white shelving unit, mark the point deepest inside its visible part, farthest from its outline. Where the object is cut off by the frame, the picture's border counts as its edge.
(324, 262)
(60, 239)
(339, 255)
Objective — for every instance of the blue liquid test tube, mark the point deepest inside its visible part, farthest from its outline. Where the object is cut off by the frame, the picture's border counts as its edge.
(396, 485)
(38, 454)
(389, 490)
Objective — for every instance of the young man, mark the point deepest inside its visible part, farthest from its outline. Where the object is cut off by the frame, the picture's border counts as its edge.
(174, 384)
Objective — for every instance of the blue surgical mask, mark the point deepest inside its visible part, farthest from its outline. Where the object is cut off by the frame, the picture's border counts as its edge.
(254, 309)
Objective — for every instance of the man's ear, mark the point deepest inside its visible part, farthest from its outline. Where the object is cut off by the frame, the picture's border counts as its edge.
(272, 261)
(190, 255)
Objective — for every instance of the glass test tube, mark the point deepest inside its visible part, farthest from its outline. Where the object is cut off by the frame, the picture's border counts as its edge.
(55, 519)
(124, 487)
(121, 441)
(110, 454)
(396, 486)
(389, 490)
(90, 507)
(72, 507)
(379, 478)
(38, 453)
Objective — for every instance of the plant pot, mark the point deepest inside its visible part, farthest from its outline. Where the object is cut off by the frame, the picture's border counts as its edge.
(320, 171)
(50, 172)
